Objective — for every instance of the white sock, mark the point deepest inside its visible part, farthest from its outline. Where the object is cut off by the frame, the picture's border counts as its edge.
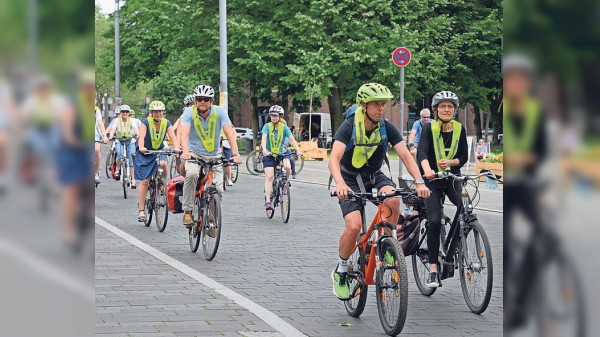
(342, 266)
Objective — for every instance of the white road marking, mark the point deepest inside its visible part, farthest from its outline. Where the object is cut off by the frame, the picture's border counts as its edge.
(48, 271)
(261, 312)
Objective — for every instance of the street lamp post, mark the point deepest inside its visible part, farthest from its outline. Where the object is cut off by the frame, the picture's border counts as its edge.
(117, 52)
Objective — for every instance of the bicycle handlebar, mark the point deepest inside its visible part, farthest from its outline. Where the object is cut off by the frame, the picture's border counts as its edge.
(378, 196)
(167, 152)
(211, 162)
(483, 172)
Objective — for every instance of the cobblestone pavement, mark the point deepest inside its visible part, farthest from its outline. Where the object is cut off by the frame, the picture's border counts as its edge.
(283, 267)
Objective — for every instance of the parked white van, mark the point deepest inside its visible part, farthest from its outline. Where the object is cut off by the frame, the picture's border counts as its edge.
(320, 122)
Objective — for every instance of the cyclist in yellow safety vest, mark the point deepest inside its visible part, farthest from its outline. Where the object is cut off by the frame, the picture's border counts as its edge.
(125, 128)
(442, 147)
(273, 136)
(200, 131)
(358, 152)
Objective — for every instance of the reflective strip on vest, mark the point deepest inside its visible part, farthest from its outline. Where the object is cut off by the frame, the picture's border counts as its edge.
(276, 143)
(207, 136)
(368, 145)
(157, 138)
(438, 142)
(121, 133)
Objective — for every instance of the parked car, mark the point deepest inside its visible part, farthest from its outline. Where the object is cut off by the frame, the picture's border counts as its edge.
(244, 133)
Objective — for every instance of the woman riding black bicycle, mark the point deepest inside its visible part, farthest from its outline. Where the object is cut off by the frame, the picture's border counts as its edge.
(443, 146)
(153, 131)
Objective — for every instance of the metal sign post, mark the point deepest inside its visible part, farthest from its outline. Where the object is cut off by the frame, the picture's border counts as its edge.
(401, 58)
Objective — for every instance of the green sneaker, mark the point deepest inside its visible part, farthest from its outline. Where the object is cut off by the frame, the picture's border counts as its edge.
(389, 259)
(340, 285)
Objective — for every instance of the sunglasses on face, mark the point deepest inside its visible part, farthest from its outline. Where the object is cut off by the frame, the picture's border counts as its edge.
(425, 117)
(203, 99)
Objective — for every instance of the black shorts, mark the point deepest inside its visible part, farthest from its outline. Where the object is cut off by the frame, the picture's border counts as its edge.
(380, 181)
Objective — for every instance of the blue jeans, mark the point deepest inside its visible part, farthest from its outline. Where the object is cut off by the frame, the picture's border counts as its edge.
(130, 151)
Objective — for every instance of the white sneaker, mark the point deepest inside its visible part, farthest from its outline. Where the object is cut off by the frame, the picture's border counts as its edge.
(229, 182)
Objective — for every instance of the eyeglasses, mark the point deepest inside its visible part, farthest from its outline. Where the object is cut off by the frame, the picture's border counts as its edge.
(425, 117)
(124, 112)
(203, 99)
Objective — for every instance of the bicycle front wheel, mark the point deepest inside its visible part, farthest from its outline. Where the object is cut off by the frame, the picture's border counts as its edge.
(420, 264)
(108, 164)
(358, 289)
(161, 206)
(211, 227)
(476, 271)
(299, 163)
(252, 162)
(124, 177)
(194, 230)
(234, 173)
(391, 284)
(285, 202)
(149, 206)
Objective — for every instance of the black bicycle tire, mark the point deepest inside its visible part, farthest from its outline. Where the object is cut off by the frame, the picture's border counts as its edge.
(124, 171)
(299, 164)
(224, 178)
(148, 206)
(400, 318)
(209, 255)
(416, 260)
(108, 164)
(195, 241)
(285, 198)
(234, 177)
(157, 205)
(356, 311)
(477, 309)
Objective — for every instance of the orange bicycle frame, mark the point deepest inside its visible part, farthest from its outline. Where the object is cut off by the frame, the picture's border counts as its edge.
(370, 266)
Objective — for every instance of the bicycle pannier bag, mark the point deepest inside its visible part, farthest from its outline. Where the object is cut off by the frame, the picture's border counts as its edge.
(408, 234)
(175, 194)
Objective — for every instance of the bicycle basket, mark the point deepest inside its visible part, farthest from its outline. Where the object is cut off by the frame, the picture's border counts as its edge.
(408, 184)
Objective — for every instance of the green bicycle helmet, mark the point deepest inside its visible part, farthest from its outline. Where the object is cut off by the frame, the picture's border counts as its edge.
(156, 105)
(373, 92)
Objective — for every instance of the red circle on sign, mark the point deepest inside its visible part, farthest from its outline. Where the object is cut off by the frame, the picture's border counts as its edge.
(401, 57)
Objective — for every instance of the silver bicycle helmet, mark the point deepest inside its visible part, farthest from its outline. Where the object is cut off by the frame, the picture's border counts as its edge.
(444, 96)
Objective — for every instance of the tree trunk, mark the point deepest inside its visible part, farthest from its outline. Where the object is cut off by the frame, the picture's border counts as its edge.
(335, 108)
(477, 122)
(496, 109)
(487, 126)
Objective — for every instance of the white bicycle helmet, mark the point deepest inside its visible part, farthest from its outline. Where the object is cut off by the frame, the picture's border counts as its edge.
(444, 96)
(188, 99)
(117, 110)
(516, 61)
(125, 107)
(204, 91)
(276, 109)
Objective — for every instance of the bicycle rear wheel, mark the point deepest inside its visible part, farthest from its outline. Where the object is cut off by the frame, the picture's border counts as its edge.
(124, 176)
(358, 290)
(234, 173)
(420, 264)
(194, 230)
(252, 162)
(476, 270)
(391, 285)
(161, 207)
(108, 164)
(211, 226)
(285, 202)
(149, 206)
(299, 163)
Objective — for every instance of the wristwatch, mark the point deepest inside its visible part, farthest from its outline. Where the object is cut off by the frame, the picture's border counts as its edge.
(236, 155)
(420, 181)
